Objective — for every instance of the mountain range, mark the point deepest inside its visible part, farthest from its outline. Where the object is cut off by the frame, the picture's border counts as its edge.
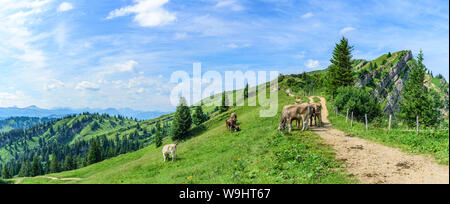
(34, 111)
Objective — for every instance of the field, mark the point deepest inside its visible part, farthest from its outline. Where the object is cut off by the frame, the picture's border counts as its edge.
(257, 154)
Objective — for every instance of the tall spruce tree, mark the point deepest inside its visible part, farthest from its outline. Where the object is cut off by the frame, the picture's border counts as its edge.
(158, 136)
(340, 71)
(6, 174)
(246, 91)
(36, 167)
(199, 116)
(182, 121)
(223, 106)
(95, 153)
(416, 100)
(54, 165)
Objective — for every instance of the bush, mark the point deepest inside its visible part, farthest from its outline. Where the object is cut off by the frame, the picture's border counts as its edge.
(359, 101)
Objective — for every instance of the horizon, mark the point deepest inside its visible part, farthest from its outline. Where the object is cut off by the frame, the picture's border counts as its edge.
(120, 54)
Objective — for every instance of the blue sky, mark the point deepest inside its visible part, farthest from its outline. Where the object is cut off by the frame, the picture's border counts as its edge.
(121, 53)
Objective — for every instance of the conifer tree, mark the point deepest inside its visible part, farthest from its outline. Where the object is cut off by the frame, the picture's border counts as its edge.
(69, 163)
(6, 174)
(158, 137)
(246, 91)
(54, 165)
(182, 121)
(340, 72)
(94, 154)
(416, 101)
(199, 116)
(35, 167)
(223, 106)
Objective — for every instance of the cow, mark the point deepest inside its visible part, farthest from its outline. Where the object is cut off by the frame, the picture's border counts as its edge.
(300, 112)
(232, 125)
(234, 116)
(170, 149)
(316, 113)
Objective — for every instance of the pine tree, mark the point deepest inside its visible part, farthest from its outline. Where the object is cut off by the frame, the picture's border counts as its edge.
(54, 165)
(198, 117)
(6, 174)
(69, 163)
(340, 72)
(416, 101)
(158, 137)
(246, 91)
(182, 121)
(36, 167)
(223, 106)
(94, 154)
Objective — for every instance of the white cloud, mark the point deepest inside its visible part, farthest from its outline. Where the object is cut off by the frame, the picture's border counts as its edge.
(148, 13)
(56, 84)
(180, 36)
(312, 64)
(235, 46)
(229, 4)
(65, 6)
(12, 99)
(85, 85)
(126, 67)
(346, 29)
(307, 15)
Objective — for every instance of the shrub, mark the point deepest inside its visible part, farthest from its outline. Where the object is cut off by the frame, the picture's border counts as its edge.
(359, 101)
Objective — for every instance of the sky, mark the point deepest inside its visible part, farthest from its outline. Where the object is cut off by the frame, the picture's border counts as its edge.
(121, 53)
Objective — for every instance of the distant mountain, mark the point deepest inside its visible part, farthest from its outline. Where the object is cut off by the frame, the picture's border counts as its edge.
(34, 111)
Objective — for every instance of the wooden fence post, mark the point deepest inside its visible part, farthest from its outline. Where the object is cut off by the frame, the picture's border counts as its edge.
(351, 122)
(336, 111)
(417, 124)
(346, 116)
(390, 119)
(367, 127)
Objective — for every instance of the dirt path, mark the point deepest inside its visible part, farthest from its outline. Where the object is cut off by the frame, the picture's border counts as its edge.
(61, 179)
(373, 163)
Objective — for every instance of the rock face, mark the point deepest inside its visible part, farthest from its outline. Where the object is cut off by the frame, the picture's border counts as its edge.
(388, 86)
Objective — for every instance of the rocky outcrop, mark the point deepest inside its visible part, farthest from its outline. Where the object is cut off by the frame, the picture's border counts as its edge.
(388, 89)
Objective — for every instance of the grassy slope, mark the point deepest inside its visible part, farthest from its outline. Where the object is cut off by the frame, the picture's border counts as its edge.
(257, 154)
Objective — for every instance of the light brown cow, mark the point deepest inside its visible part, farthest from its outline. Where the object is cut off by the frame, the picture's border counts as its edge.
(234, 116)
(299, 113)
(316, 113)
(232, 125)
(170, 149)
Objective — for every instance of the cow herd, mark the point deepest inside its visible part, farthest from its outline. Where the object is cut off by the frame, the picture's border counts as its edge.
(303, 113)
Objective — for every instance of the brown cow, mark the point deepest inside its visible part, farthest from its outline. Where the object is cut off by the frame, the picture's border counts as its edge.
(299, 113)
(234, 116)
(232, 125)
(316, 112)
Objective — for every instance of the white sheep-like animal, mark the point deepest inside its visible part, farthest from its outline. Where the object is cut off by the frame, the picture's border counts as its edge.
(170, 149)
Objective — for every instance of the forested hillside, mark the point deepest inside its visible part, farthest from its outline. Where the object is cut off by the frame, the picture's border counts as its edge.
(65, 144)
(21, 123)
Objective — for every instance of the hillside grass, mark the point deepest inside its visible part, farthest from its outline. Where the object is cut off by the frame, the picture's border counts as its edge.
(434, 143)
(257, 154)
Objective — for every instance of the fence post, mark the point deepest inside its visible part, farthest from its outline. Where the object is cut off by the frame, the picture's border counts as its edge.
(336, 111)
(351, 122)
(346, 116)
(390, 119)
(417, 124)
(332, 99)
(367, 127)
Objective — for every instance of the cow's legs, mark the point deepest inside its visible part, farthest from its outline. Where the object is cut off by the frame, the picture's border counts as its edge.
(164, 155)
(290, 125)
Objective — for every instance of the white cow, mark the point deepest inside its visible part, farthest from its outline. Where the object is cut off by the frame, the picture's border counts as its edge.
(170, 149)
